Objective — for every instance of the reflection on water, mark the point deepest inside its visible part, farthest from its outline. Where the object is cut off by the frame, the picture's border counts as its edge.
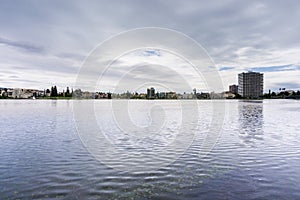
(251, 121)
(42, 157)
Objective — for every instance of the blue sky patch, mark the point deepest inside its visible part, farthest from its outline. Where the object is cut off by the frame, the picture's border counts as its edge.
(289, 67)
(225, 68)
(151, 53)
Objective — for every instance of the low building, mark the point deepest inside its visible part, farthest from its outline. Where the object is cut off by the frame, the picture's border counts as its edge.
(88, 95)
(19, 93)
(229, 95)
(188, 96)
(103, 95)
(171, 95)
(234, 89)
(214, 95)
(161, 95)
(203, 95)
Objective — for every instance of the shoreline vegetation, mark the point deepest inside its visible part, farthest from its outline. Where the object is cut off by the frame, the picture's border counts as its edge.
(295, 97)
(151, 94)
(59, 99)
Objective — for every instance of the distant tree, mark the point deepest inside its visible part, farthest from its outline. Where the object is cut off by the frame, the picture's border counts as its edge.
(5, 93)
(54, 92)
(266, 96)
(238, 96)
(77, 93)
(68, 94)
(61, 94)
(286, 93)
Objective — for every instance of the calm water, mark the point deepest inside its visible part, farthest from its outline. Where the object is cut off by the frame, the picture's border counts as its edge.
(255, 156)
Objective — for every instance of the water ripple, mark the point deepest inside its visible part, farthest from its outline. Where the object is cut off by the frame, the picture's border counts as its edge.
(256, 156)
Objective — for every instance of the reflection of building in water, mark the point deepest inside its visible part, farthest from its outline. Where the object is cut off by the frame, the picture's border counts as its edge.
(251, 121)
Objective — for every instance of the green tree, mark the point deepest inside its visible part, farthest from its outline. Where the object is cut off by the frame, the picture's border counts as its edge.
(54, 91)
(68, 94)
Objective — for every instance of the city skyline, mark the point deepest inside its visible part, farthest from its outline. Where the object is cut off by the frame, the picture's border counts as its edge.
(43, 44)
(233, 88)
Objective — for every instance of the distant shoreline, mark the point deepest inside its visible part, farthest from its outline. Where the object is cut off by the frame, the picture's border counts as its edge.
(46, 99)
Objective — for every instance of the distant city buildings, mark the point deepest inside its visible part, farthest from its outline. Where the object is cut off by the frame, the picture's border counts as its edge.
(19, 93)
(160, 95)
(233, 89)
(151, 93)
(171, 95)
(78, 94)
(251, 84)
(203, 95)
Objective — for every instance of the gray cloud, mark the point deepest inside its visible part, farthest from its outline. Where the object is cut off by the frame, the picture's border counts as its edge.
(239, 34)
(21, 46)
(287, 85)
(14, 77)
(146, 75)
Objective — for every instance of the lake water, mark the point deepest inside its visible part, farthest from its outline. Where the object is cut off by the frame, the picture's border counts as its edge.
(225, 149)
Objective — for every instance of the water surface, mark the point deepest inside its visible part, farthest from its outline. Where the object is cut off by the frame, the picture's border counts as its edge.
(256, 155)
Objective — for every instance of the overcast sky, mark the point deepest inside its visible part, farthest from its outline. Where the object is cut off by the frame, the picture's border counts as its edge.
(44, 43)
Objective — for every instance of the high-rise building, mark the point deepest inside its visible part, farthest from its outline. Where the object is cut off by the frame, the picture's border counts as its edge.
(151, 93)
(251, 84)
(233, 89)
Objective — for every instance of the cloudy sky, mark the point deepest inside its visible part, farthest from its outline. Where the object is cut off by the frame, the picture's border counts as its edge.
(44, 43)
